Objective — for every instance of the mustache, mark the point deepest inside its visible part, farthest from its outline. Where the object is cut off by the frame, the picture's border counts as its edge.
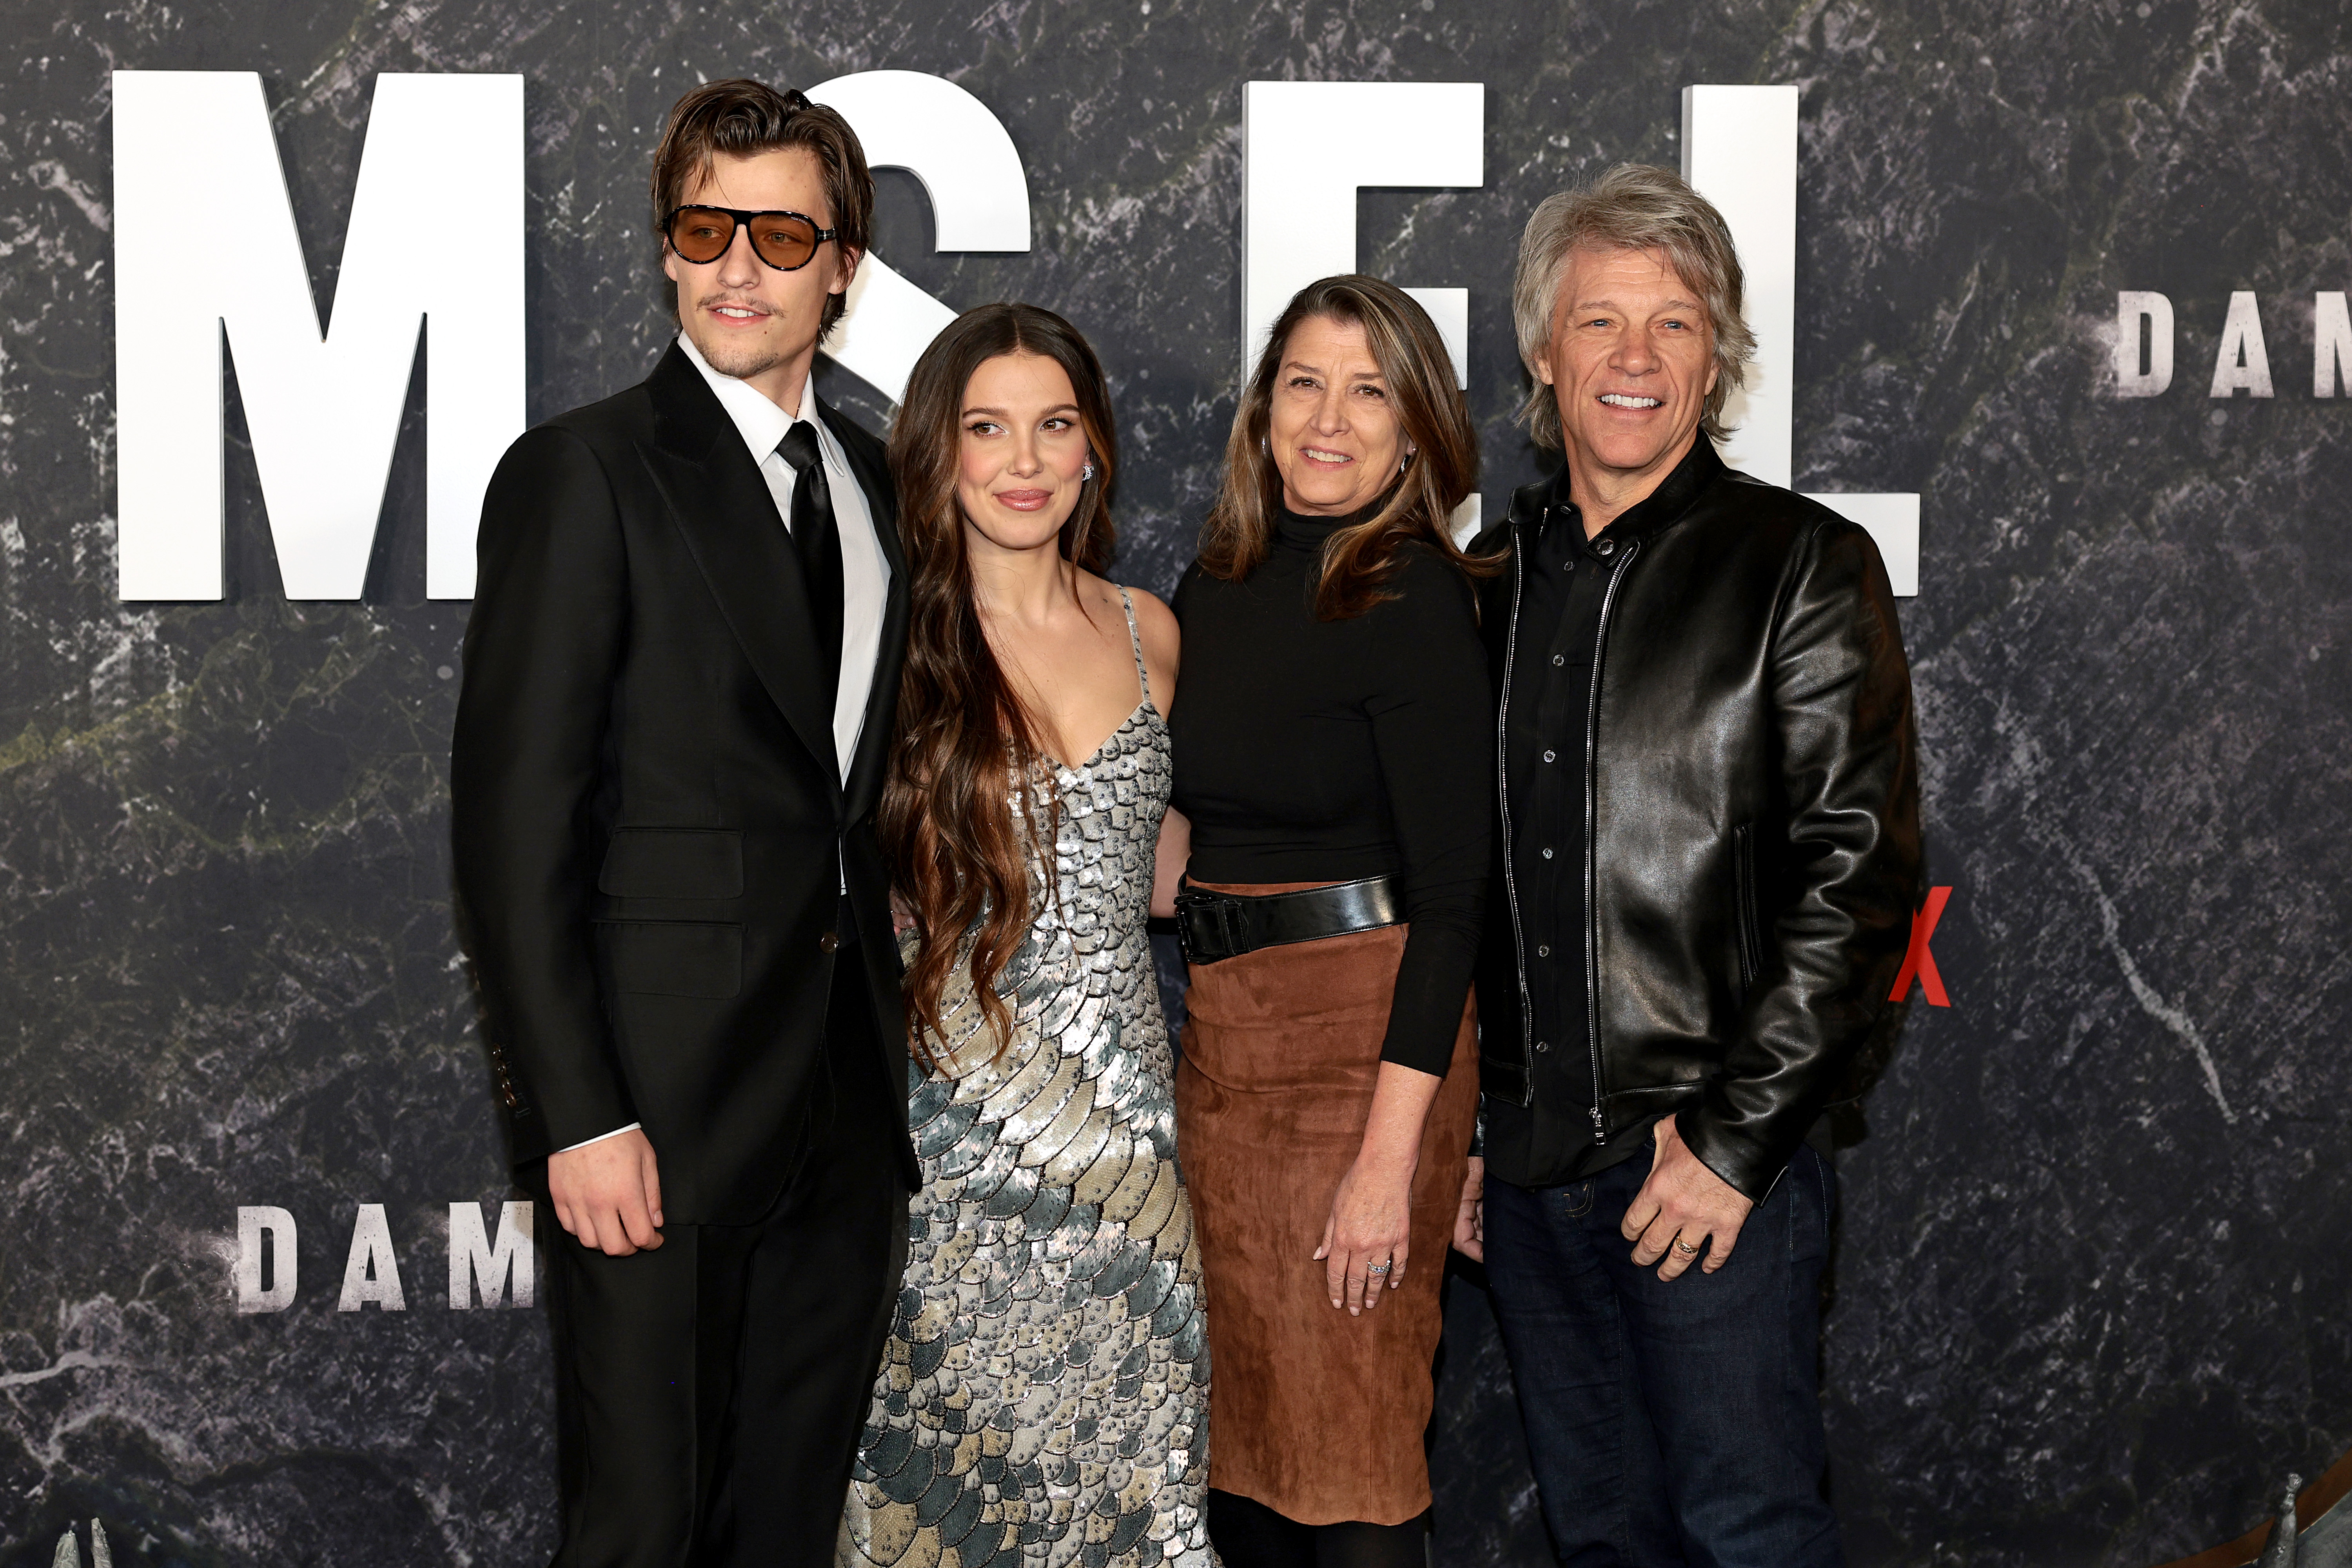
(712, 302)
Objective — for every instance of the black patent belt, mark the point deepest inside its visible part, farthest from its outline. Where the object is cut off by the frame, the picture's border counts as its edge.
(1215, 926)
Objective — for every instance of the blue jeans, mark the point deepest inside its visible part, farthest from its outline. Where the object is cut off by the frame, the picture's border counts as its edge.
(1668, 1423)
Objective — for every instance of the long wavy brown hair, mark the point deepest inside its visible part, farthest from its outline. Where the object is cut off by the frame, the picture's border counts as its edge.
(1359, 560)
(970, 789)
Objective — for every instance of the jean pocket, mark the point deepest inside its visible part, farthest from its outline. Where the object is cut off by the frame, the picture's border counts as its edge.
(674, 958)
(1828, 1168)
(1577, 1200)
(1811, 1180)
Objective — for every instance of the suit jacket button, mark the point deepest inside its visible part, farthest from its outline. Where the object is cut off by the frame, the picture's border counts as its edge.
(828, 942)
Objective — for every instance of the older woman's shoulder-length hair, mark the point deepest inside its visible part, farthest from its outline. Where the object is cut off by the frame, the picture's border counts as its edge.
(1357, 561)
(1634, 206)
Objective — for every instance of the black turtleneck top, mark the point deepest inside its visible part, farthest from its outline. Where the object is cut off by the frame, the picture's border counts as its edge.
(1313, 750)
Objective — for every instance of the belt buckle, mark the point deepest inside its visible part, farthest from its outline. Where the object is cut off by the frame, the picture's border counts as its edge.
(1207, 926)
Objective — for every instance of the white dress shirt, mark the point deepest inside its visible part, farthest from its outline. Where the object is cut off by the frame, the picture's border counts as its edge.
(864, 569)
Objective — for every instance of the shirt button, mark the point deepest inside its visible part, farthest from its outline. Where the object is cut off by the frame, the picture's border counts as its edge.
(828, 942)
(1547, 854)
(1543, 1045)
(1559, 658)
(1543, 950)
(1550, 755)
(1605, 548)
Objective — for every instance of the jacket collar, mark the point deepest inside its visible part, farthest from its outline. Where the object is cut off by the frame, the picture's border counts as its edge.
(867, 765)
(761, 423)
(1662, 508)
(724, 509)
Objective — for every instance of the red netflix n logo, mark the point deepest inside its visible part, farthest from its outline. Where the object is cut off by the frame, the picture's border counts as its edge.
(1920, 961)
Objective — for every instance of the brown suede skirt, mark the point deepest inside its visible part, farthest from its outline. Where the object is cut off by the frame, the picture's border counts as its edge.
(1317, 1414)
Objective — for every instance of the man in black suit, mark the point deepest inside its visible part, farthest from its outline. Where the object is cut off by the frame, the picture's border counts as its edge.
(680, 675)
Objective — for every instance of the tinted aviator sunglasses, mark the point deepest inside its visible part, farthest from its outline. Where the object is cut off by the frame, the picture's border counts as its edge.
(784, 240)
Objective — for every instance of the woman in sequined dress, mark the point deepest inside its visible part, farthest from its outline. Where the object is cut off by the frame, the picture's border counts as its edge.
(1043, 1398)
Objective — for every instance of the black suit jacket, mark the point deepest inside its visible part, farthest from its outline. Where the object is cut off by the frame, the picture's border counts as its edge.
(647, 808)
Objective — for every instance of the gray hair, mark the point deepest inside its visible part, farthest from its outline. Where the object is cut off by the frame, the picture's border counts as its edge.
(1634, 206)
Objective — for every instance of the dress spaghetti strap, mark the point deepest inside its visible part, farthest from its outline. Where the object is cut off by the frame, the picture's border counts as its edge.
(1135, 641)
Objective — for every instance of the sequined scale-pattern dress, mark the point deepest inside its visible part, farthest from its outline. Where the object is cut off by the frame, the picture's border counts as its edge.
(1043, 1395)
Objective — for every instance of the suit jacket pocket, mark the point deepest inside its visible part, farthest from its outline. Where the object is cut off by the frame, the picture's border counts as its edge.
(673, 863)
(674, 958)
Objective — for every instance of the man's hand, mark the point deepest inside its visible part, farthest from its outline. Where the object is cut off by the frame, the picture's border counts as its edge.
(1682, 1209)
(608, 1195)
(1470, 1220)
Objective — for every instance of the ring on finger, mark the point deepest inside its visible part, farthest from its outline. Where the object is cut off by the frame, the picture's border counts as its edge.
(1381, 1268)
(1684, 1247)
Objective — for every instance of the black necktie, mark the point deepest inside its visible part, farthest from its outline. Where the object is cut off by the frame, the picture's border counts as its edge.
(817, 537)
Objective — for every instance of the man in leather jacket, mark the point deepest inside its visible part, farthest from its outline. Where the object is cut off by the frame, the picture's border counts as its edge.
(1708, 861)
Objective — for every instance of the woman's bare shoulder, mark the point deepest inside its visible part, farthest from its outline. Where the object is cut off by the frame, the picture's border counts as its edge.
(1152, 616)
(1152, 613)
(1155, 623)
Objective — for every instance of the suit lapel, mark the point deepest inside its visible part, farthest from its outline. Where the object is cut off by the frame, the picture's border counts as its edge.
(724, 509)
(870, 761)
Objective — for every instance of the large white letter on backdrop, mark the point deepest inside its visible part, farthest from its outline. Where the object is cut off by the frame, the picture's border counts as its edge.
(961, 152)
(473, 1260)
(205, 239)
(1300, 174)
(1740, 152)
(253, 1223)
(1301, 170)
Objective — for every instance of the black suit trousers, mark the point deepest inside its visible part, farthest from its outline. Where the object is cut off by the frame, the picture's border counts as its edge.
(710, 1393)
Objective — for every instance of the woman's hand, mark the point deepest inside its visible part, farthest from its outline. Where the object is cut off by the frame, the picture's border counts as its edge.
(1372, 1214)
(1370, 1231)
(902, 914)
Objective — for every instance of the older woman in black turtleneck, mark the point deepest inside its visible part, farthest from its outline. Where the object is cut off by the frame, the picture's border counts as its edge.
(1334, 746)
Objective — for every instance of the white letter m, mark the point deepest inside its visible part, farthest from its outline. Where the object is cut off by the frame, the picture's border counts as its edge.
(472, 1259)
(204, 238)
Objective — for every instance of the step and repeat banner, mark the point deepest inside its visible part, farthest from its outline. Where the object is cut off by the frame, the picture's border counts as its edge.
(2052, 298)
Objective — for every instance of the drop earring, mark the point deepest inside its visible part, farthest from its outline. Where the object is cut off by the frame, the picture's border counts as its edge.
(1086, 473)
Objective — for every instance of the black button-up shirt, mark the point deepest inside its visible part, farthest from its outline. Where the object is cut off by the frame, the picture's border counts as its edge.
(1546, 723)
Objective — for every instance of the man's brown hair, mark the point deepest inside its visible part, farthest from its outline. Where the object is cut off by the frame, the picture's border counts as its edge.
(740, 118)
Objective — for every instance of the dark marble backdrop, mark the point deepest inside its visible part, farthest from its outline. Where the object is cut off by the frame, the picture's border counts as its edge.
(2091, 1278)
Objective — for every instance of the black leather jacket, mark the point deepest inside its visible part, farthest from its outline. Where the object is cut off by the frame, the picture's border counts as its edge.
(1751, 822)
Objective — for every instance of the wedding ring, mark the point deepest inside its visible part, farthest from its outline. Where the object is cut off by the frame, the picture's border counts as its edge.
(1380, 1267)
(1684, 1247)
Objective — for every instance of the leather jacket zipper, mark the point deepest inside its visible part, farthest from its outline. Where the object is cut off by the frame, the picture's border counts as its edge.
(1503, 791)
(1591, 776)
(1743, 873)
